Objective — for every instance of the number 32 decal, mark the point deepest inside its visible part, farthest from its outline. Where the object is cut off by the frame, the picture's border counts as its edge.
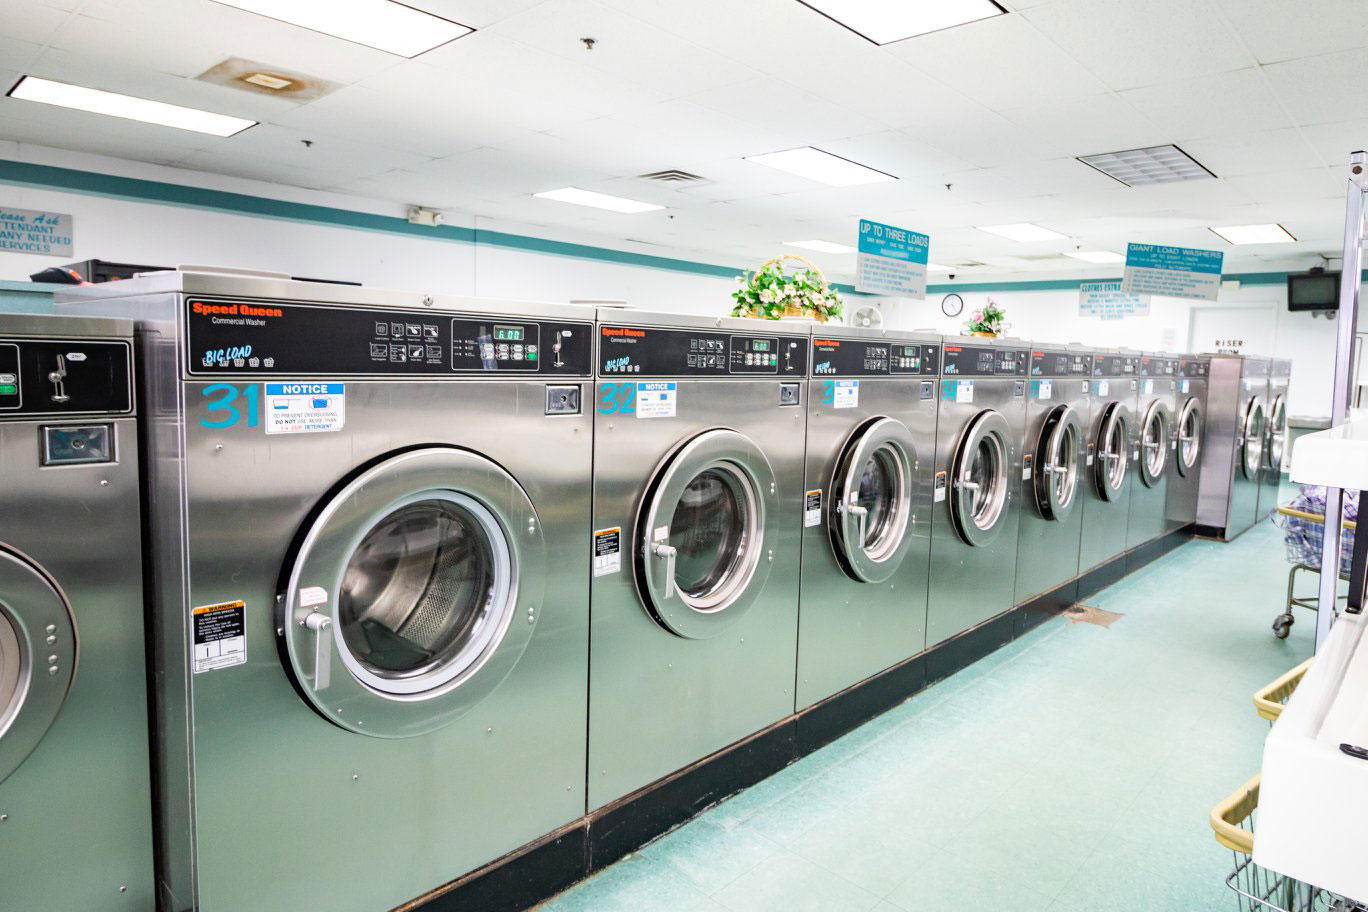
(222, 398)
(617, 399)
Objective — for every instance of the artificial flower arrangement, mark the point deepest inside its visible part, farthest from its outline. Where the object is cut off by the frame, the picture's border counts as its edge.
(988, 321)
(769, 293)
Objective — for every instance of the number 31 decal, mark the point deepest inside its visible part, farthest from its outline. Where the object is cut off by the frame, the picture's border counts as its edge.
(228, 394)
(617, 399)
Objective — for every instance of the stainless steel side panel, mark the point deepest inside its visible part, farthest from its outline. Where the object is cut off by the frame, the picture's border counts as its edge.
(1181, 509)
(1149, 503)
(849, 630)
(77, 832)
(658, 701)
(1104, 521)
(969, 585)
(1048, 550)
(1225, 405)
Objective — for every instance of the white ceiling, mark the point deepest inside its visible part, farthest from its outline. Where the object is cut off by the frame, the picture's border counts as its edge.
(1265, 93)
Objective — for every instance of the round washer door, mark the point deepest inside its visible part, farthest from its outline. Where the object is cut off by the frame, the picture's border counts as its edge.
(1189, 437)
(1056, 480)
(980, 474)
(1277, 431)
(1113, 461)
(701, 533)
(1252, 439)
(871, 500)
(414, 592)
(37, 658)
(1154, 444)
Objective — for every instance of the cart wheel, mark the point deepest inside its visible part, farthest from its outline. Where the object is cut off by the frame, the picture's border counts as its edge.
(1282, 626)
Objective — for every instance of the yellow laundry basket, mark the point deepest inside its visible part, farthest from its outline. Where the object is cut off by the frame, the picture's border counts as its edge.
(1270, 699)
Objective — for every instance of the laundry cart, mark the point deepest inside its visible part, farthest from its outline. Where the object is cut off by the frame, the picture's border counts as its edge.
(1303, 525)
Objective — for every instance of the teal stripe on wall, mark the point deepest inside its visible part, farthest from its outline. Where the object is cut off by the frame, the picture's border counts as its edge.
(93, 183)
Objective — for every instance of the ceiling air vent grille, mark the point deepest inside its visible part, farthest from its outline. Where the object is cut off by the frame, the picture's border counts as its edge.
(674, 176)
(1144, 167)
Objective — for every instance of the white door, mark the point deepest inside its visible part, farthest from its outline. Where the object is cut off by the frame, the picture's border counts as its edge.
(1242, 329)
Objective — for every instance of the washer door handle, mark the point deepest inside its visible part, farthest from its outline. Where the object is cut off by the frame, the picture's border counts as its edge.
(321, 625)
(966, 485)
(667, 552)
(861, 515)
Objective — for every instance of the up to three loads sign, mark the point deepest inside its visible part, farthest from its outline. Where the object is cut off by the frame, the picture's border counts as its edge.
(891, 260)
(1172, 272)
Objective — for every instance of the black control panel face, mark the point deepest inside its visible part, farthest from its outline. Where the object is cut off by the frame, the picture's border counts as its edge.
(65, 377)
(1115, 365)
(863, 358)
(1061, 364)
(267, 337)
(982, 361)
(1194, 368)
(649, 351)
(1158, 367)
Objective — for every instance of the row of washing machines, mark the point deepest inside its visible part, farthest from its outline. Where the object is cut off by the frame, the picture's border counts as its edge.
(426, 579)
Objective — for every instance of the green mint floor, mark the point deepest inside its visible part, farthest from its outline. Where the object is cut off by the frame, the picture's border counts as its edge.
(1072, 770)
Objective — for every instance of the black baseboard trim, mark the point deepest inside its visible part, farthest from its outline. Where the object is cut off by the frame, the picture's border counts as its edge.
(540, 870)
(1202, 531)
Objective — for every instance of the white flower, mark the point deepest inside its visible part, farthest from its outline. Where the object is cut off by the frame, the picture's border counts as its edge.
(767, 296)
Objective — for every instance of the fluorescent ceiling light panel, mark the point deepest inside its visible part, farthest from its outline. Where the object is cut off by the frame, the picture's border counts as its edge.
(886, 21)
(381, 24)
(937, 267)
(1145, 167)
(64, 95)
(1023, 231)
(597, 200)
(1255, 234)
(821, 246)
(1095, 256)
(823, 167)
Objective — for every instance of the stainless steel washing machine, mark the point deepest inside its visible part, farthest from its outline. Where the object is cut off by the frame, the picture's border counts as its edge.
(1233, 459)
(1275, 434)
(368, 514)
(1106, 502)
(75, 776)
(1190, 424)
(867, 505)
(980, 425)
(1155, 442)
(698, 493)
(1054, 473)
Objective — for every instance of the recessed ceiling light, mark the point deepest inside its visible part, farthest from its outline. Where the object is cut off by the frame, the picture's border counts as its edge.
(1095, 256)
(1152, 165)
(1255, 234)
(96, 101)
(814, 164)
(1023, 231)
(822, 246)
(597, 200)
(381, 24)
(886, 21)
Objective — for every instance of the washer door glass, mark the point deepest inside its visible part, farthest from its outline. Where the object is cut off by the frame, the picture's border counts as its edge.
(1154, 444)
(980, 473)
(1189, 437)
(701, 532)
(1056, 478)
(871, 496)
(414, 593)
(37, 658)
(1252, 439)
(1277, 432)
(1113, 441)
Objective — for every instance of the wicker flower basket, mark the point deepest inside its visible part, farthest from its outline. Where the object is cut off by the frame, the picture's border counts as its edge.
(789, 310)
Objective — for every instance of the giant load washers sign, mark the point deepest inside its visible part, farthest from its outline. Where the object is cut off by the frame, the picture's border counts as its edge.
(1172, 272)
(28, 231)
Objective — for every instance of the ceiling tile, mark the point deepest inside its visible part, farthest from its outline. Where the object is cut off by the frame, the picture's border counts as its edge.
(1133, 43)
(78, 131)
(793, 117)
(1277, 30)
(1254, 153)
(1239, 101)
(1086, 126)
(1321, 89)
(1335, 142)
(980, 137)
(1306, 184)
(33, 22)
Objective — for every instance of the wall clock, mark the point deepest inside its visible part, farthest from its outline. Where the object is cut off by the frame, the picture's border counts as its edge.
(952, 305)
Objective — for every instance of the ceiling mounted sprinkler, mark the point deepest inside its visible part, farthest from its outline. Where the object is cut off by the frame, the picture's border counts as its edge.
(589, 43)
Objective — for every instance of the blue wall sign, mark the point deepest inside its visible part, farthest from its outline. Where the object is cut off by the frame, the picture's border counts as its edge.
(891, 260)
(1108, 301)
(1172, 272)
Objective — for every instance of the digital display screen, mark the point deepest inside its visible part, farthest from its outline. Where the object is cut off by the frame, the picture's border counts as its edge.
(760, 345)
(508, 333)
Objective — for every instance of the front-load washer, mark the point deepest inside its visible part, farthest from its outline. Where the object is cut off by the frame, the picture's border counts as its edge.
(698, 504)
(1054, 473)
(75, 775)
(1275, 434)
(867, 505)
(1155, 443)
(1190, 424)
(1232, 464)
(980, 425)
(368, 517)
(1106, 501)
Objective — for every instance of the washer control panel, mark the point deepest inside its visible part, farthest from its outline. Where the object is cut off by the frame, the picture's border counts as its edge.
(1158, 367)
(985, 361)
(65, 377)
(1061, 364)
(1192, 367)
(1108, 365)
(867, 358)
(651, 351)
(268, 337)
